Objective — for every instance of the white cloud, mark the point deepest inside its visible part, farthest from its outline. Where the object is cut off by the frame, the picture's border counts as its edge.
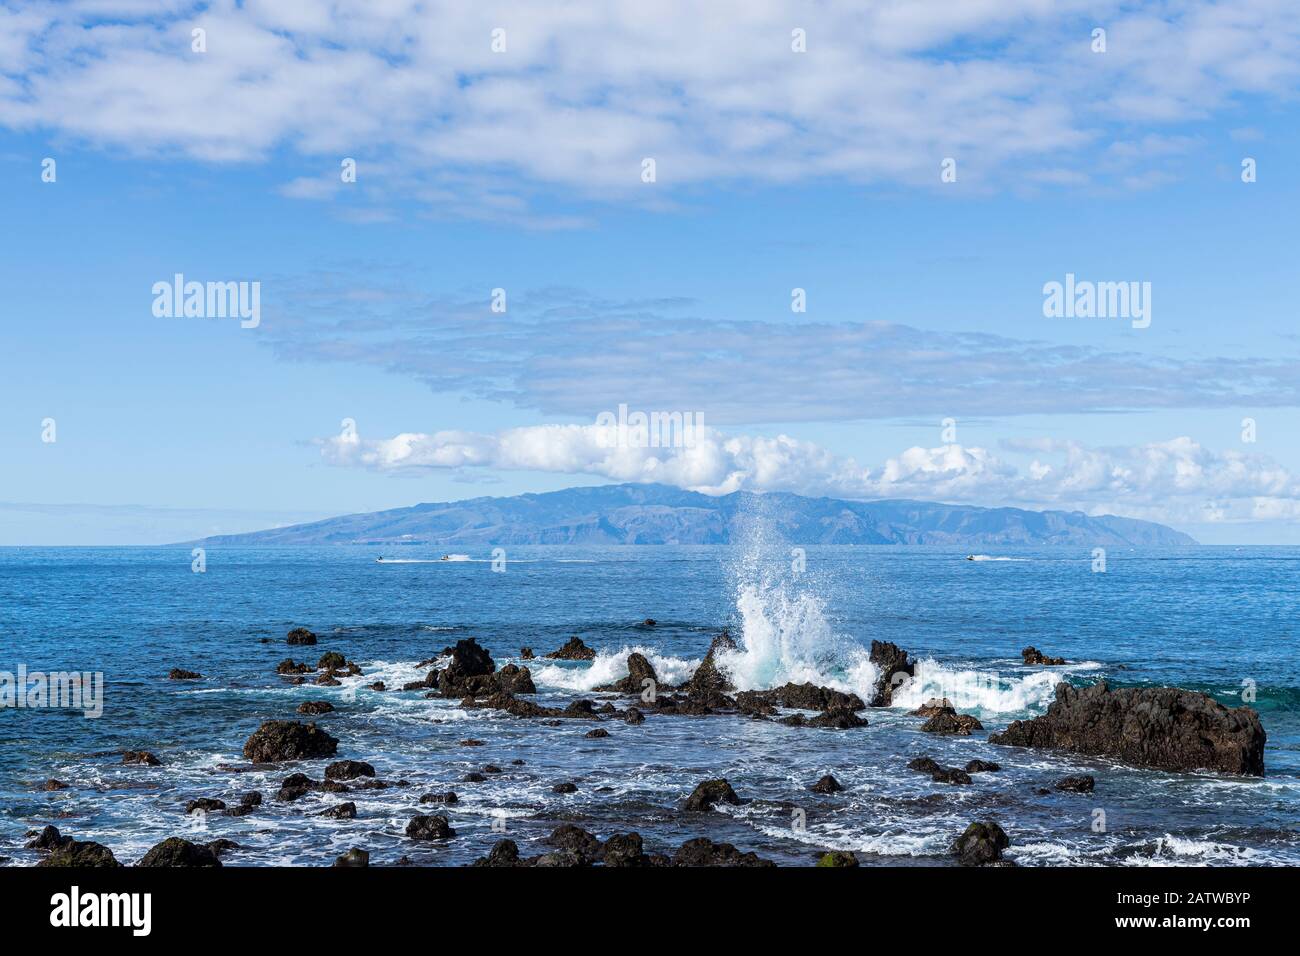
(585, 91)
(1176, 481)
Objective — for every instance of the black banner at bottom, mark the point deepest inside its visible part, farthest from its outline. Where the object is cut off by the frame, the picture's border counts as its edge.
(338, 904)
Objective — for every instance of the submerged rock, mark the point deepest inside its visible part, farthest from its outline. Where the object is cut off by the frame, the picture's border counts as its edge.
(177, 673)
(710, 793)
(51, 785)
(982, 843)
(573, 650)
(938, 773)
(1162, 727)
(141, 758)
(177, 852)
(1033, 655)
(895, 670)
(278, 740)
(1078, 783)
(827, 784)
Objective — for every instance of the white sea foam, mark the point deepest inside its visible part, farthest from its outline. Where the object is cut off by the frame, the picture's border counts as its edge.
(987, 691)
(608, 667)
(990, 557)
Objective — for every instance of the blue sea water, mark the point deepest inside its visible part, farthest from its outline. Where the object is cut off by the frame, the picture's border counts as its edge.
(1214, 619)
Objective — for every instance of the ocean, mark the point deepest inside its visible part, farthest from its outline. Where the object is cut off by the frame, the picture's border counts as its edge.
(1221, 620)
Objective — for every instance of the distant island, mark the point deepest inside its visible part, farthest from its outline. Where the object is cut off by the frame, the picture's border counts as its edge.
(658, 514)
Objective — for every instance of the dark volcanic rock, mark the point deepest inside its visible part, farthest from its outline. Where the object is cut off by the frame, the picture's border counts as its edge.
(704, 852)
(447, 798)
(625, 849)
(982, 766)
(51, 785)
(142, 758)
(300, 635)
(1033, 655)
(279, 740)
(895, 669)
(933, 707)
(598, 732)
(526, 653)
(206, 804)
(838, 718)
(177, 673)
(639, 671)
(474, 777)
(981, 844)
(1079, 783)
(633, 716)
(177, 852)
(800, 697)
(331, 661)
(948, 721)
(354, 857)
(573, 650)
(711, 792)
(1162, 727)
(80, 854)
(290, 666)
(433, 827)
(707, 681)
(576, 840)
(503, 853)
(838, 858)
(49, 839)
(954, 775)
(327, 680)
(565, 788)
(348, 770)
(827, 784)
(341, 811)
(314, 708)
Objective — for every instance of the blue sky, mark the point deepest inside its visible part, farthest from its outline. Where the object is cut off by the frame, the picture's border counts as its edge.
(521, 171)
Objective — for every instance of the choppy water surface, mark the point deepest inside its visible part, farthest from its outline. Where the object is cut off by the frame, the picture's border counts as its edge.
(1202, 618)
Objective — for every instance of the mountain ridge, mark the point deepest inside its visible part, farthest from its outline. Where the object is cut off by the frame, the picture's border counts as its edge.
(660, 514)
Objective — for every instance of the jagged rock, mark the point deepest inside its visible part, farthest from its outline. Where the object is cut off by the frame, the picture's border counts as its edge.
(565, 788)
(379, 685)
(340, 811)
(949, 722)
(1033, 655)
(80, 855)
(639, 670)
(219, 847)
(891, 660)
(633, 716)
(708, 681)
(354, 857)
(1080, 783)
(827, 784)
(433, 827)
(838, 718)
(513, 679)
(177, 852)
(314, 708)
(923, 765)
(1162, 727)
(565, 858)
(800, 697)
(348, 770)
(177, 673)
(623, 850)
(300, 635)
(290, 666)
(49, 839)
(954, 775)
(933, 707)
(982, 766)
(278, 740)
(704, 852)
(327, 680)
(981, 844)
(503, 853)
(206, 804)
(331, 661)
(573, 650)
(141, 758)
(839, 858)
(576, 840)
(710, 793)
(649, 622)
(525, 653)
